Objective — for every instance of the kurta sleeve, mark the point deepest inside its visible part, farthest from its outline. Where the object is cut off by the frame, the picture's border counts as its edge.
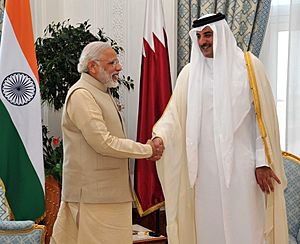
(87, 115)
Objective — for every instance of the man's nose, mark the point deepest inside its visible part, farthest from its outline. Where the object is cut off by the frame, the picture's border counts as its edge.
(118, 67)
(201, 41)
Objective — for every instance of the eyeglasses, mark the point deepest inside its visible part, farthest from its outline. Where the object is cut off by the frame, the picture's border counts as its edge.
(112, 63)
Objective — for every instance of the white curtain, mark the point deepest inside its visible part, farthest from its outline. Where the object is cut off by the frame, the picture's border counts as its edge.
(1, 15)
(281, 56)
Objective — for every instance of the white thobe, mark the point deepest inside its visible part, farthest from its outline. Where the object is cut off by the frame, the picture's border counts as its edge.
(239, 206)
(222, 214)
(208, 207)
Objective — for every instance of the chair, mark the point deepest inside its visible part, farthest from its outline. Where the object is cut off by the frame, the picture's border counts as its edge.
(292, 195)
(15, 232)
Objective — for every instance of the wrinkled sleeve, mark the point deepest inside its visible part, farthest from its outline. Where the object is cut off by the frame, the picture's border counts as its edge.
(169, 167)
(87, 115)
(169, 126)
(260, 151)
(172, 167)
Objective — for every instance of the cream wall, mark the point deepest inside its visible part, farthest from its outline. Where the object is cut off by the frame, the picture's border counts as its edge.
(122, 20)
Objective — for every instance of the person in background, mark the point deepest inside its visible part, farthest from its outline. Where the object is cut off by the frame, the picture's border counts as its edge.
(96, 192)
(221, 171)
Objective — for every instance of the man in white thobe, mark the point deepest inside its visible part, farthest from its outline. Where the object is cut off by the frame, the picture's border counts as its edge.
(221, 171)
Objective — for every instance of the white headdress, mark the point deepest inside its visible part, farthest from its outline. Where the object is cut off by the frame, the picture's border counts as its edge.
(231, 96)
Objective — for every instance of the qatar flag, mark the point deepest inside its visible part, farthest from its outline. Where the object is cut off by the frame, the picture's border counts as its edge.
(155, 92)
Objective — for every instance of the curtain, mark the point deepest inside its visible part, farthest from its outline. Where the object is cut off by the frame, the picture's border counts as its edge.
(281, 56)
(1, 15)
(246, 18)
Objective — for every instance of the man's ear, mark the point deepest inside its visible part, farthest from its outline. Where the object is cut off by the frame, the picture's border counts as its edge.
(91, 67)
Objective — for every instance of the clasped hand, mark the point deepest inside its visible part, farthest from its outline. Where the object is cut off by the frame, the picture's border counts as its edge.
(157, 148)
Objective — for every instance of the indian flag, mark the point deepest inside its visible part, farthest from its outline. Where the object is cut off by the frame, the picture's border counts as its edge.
(21, 148)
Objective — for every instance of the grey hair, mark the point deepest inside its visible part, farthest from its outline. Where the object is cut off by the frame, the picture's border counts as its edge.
(89, 53)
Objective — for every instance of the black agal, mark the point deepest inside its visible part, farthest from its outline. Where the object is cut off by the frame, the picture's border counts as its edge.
(208, 20)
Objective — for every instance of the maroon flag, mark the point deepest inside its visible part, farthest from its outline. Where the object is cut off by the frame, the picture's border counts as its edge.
(155, 91)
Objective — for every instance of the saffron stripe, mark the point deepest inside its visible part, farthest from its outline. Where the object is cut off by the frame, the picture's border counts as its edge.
(22, 27)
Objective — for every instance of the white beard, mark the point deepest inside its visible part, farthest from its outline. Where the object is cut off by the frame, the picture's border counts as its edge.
(106, 79)
(112, 84)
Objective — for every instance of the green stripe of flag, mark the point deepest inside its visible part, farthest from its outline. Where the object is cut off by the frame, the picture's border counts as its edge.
(23, 188)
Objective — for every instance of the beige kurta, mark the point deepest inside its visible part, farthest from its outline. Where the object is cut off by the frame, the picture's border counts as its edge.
(96, 190)
(96, 150)
(172, 168)
(86, 223)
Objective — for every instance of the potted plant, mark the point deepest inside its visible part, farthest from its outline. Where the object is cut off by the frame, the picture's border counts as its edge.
(52, 154)
(53, 159)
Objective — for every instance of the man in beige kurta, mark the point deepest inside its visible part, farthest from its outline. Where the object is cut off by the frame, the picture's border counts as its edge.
(221, 171)
(96, 192)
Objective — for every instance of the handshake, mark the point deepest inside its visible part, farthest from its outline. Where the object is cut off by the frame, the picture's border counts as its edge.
(158, 148)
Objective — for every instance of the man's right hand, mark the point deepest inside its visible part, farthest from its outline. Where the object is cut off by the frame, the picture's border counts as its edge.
(157, 148)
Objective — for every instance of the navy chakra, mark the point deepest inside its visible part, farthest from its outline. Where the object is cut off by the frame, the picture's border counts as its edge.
(18, 88)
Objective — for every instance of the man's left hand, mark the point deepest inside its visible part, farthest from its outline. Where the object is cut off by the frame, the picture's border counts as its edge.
(264, 178)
